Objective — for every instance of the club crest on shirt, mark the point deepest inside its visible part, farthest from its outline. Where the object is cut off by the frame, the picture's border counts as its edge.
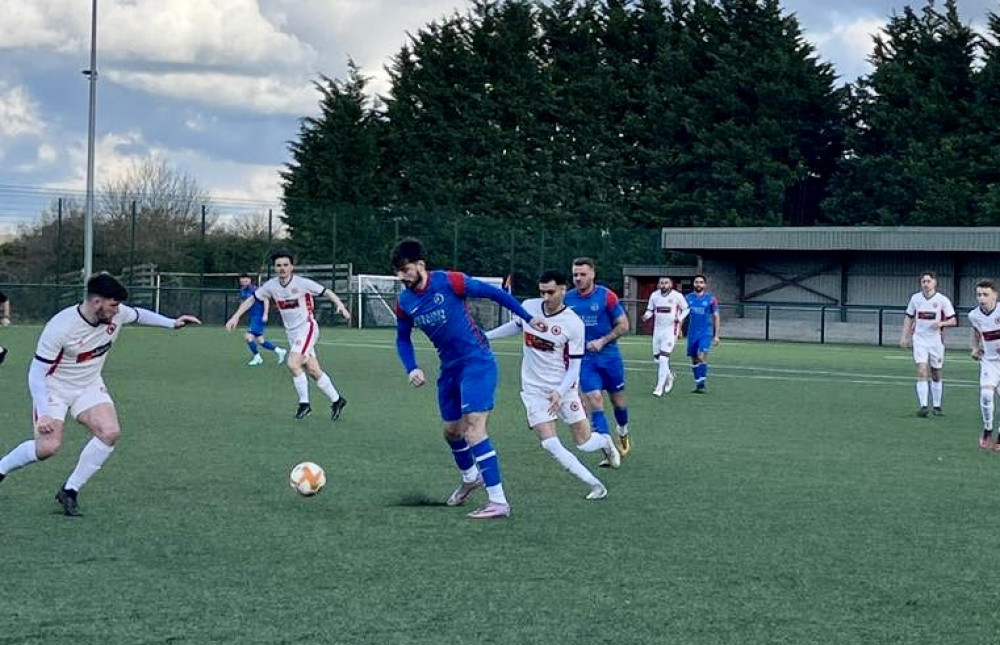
(556, 330)
(438, 298)
(111, 328)
(595, 307)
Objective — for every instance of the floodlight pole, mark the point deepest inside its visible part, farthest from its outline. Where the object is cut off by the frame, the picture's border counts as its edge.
(88, 218)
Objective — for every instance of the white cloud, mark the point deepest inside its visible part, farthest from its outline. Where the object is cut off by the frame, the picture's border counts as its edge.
(848, 43)
(265, 94)
(194, 32)
(19, 114)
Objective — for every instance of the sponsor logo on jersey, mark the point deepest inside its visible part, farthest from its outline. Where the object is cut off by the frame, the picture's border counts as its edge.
(97, 352)
(539, 343)
(927, 315)
(291, 303)
(991, 335)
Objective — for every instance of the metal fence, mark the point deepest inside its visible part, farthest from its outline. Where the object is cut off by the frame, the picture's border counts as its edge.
(861, 325)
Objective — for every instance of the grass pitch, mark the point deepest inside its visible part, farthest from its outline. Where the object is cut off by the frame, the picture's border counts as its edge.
(799, 501)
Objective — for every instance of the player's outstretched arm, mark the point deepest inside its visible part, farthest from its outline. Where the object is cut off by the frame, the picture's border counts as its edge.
(337, 303)
(242, 309)
(149, 318)
(510, 328)
(479, 289)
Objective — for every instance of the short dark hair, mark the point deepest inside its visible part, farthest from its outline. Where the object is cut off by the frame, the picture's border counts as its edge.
(106, 286)
(699, 275)
(407, 250)
(282, 254)
(932, 275)
(245, 275)
(584, 261)
(553, 275)
(988, 284)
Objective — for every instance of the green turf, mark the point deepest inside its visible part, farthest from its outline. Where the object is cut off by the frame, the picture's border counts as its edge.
(799, 501)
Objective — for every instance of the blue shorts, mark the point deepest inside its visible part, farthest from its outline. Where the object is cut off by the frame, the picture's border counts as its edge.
(700, 345)
(599, 372)
(256, 327)
(467, 387)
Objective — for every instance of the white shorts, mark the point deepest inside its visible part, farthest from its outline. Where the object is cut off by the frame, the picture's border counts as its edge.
(302, 340)
(76, 402)
(989, 375)
(928, 351)
(537, 407)
(663, 342)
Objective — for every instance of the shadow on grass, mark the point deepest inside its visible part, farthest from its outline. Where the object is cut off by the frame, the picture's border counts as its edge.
(419, 499)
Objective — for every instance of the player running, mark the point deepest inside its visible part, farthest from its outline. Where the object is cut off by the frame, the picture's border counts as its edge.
(550, 367)
(435, 301)
(257, 324)
(927, 314)
(985, 323)
(65, 377)
(602, 369)
(294, 296)
(670, 309)
(704, 327)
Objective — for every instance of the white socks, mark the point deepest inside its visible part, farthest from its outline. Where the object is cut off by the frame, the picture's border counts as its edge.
(301, 387)
(986, 407)
(922, 391)
(92, 457)
(22, 455)
(662, 371)
(596, 442)
(569, 461)
(324, 383)
(937, 391)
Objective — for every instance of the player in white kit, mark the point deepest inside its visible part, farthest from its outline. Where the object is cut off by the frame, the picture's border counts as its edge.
(927, 314)
(65, 377)
(985, 323)
(670, 308)
(550, 368)
(294, 298)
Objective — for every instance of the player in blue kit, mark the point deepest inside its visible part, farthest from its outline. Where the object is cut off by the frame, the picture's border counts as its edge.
(435, 301)
(704, 326)
(603, 369)
(258, 323)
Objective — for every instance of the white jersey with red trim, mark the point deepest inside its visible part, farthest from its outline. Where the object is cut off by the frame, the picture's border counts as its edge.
(547, 353)
(666, 309)
(75, 349)
(293, 300)
(925, 311)
(987, 323)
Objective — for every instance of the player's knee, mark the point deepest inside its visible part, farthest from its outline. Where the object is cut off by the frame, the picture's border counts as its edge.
(45, 447)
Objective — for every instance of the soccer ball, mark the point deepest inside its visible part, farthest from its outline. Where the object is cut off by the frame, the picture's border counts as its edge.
(307, 479)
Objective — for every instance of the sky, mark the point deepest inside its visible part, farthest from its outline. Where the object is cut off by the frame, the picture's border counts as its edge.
(217, 88)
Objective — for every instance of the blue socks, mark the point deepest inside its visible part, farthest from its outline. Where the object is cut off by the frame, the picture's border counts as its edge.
(268, 345)
(252, 346)
(700, 374)
(488, 462)
(463, 454)
(621, 417)
(598, 421)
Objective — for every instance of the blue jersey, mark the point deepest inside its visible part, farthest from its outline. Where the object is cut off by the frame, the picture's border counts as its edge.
(700, 320)
(598, 310)
(441, 311)
(257, 310)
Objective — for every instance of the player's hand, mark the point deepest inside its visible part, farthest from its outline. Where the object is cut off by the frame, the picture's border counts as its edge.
(417, 377)
(5, 321)
(977, 353)
(538, 323)
(186, 320)
(596, 345)
(716, 341)
(231, 323)
(345, 313)
(646, 316)
(904, 342)
(555, 400)
(46, 424)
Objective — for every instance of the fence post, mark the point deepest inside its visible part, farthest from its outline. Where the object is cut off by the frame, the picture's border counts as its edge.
(201, 289)
(59, 241)
(880, 312)
(270, 240)
(333, 245)
(131, 249)
(822, 325)
(767, 322)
